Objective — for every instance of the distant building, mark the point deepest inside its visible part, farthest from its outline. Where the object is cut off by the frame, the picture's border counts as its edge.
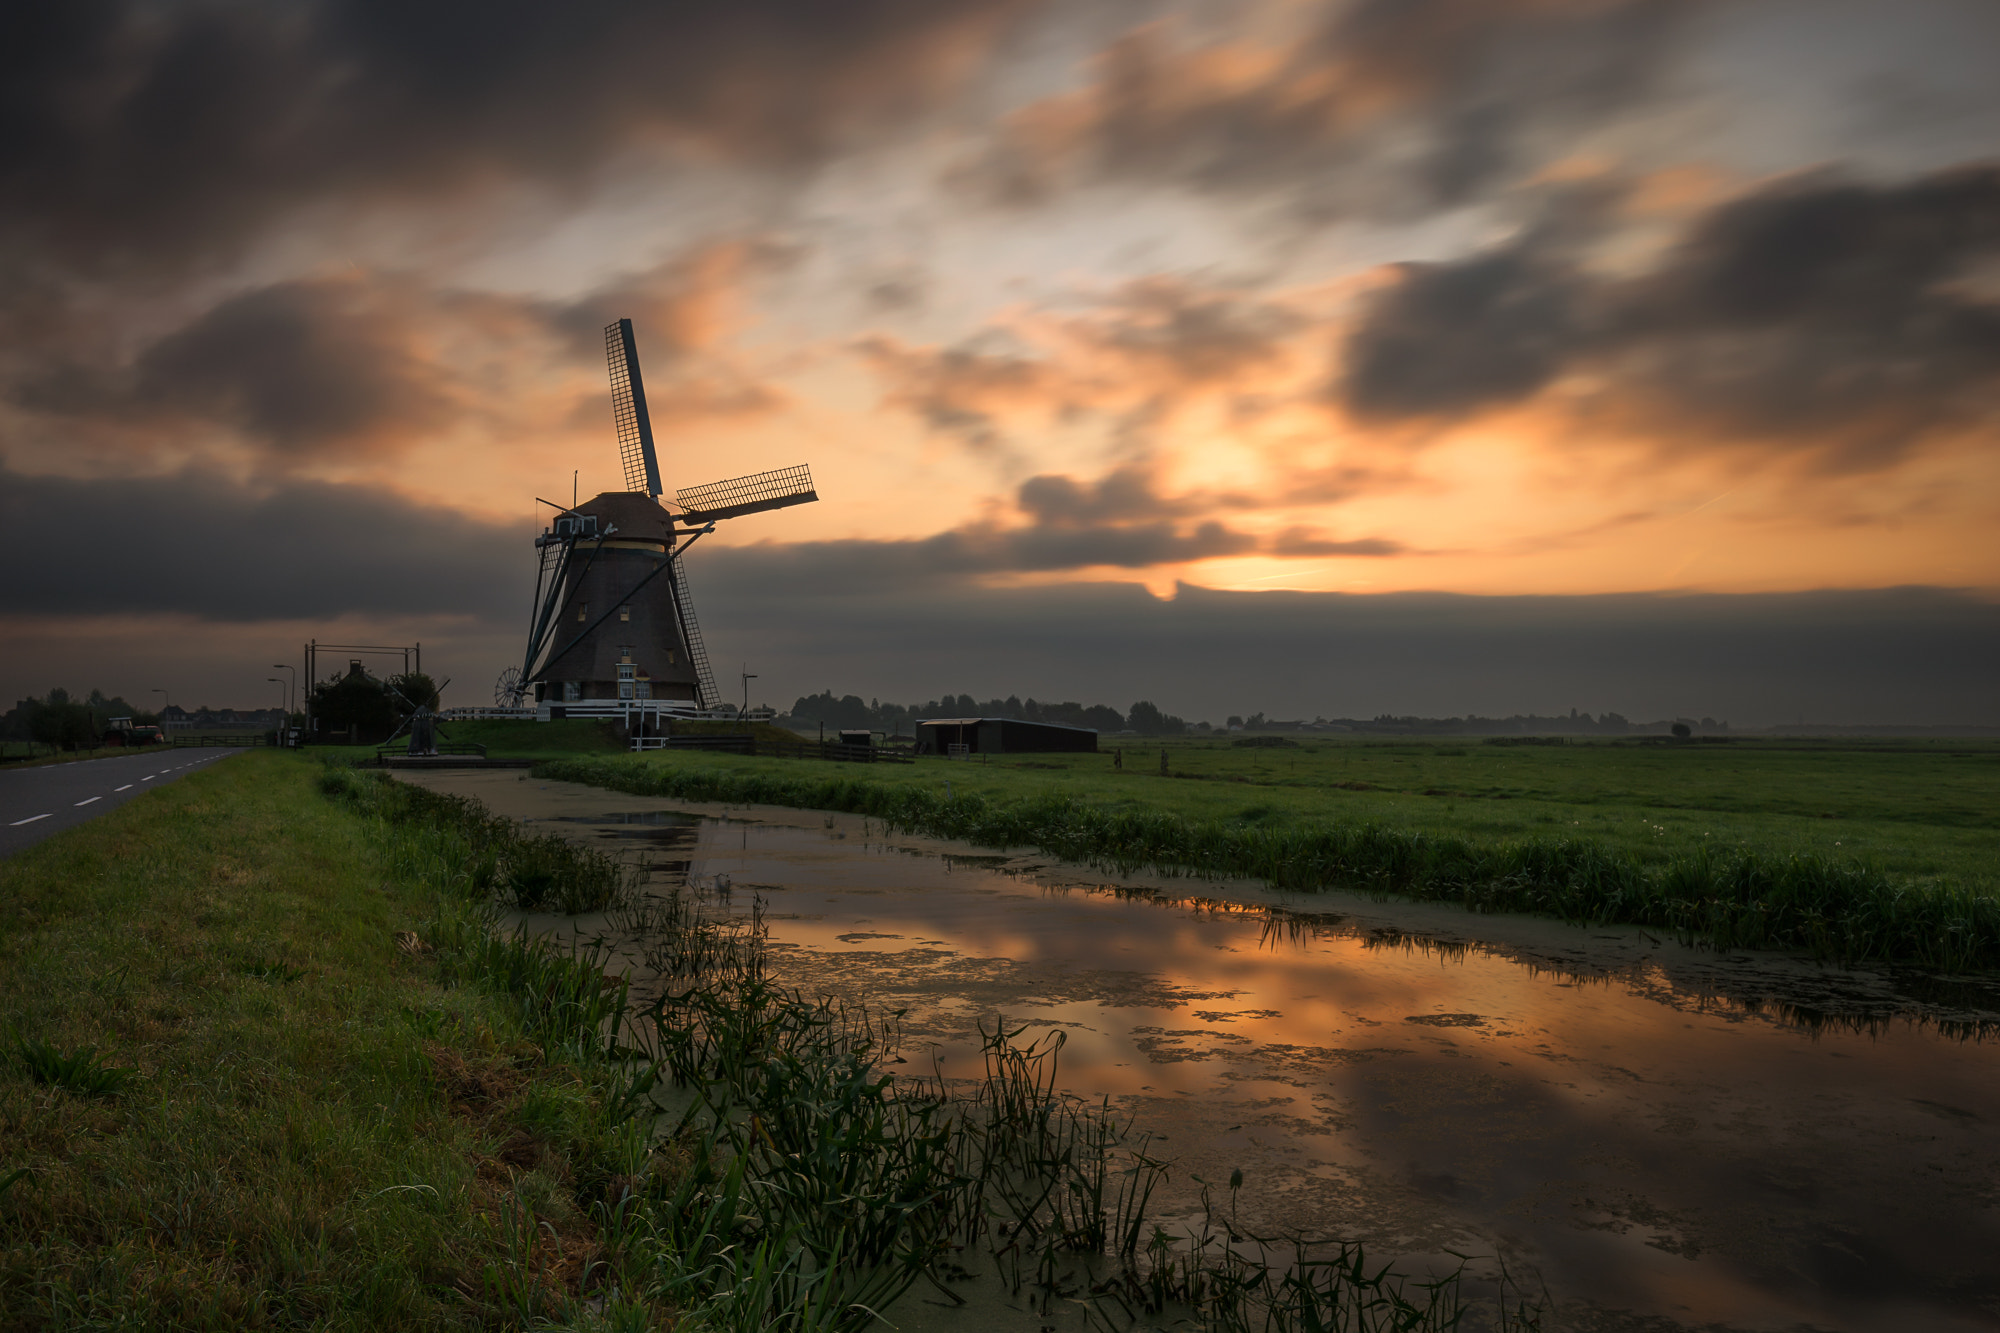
(1001, 735)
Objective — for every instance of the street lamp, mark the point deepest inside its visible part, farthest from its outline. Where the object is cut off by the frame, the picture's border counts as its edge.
(290, 690)
(748, 676)
(164, 706)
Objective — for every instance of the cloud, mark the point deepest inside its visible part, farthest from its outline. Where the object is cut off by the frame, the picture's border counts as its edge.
(136, 136)
(1833, 319)
(838, 615)
(1131, 355)
(1303, 541)
(202, 545)
(1121, 495)
(686, 305)
(300, 368)
(964, 391)
(1118, 521)
(1382, 107)
(367, 365)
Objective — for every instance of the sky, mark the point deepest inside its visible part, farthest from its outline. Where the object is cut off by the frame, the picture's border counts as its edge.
(1310, 357)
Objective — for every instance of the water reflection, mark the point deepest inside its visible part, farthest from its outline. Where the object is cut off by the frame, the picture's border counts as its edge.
(1668, 1137)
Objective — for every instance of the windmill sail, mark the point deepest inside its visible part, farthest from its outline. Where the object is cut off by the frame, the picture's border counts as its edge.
(706, 694)
(748, 495)
(628, 411)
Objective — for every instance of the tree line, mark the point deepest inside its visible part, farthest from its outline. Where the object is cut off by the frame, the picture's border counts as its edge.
(63, 721)
(854, 713)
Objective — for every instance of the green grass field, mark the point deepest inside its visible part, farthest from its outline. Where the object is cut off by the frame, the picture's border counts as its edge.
(232, 1097)
(1855, 851)
(1915, 810)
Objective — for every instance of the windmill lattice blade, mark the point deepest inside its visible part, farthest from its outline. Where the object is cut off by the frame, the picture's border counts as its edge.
(705, 691)
(628, 410)
(748, 495)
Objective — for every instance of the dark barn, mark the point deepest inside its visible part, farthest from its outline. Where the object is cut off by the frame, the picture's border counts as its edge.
(1002, 735)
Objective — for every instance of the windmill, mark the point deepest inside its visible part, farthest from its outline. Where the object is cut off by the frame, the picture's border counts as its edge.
(421, 721)
(611, 619)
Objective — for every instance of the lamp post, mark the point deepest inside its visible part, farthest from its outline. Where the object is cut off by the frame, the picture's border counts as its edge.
(290, 690)
(167, 702)
(748, 676)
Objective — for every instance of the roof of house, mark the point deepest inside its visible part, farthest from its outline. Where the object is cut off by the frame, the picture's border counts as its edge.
(975, 721)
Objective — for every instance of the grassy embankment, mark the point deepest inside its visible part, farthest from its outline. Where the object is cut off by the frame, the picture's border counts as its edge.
(1855, 851)
(273, 1068)
(230, 1098)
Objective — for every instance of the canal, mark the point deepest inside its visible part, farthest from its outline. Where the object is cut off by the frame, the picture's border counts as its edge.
(1658, 1136)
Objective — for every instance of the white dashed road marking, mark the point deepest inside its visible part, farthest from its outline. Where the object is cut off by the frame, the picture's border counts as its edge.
(126, 787)
(29, 820)
(90, 801)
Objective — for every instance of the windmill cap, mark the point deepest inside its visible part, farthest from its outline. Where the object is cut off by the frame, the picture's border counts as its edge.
(637, 517)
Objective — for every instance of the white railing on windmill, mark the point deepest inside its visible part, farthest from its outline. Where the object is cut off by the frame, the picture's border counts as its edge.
(615, 558)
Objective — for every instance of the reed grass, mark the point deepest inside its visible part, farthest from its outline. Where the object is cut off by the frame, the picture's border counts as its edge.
(476, 851)
(823, 1186)
(1728, 897)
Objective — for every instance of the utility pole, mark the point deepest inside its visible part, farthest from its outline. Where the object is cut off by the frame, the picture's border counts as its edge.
(164, 706)
(748, 676)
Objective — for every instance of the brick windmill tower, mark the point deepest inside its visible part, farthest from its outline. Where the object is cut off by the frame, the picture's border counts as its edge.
(611, 619)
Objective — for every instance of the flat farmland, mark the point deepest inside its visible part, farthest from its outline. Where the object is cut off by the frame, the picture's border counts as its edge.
(1921, 810)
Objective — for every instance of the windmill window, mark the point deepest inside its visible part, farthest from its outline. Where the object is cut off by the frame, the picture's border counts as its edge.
(625, 689)
(572, 691)
(582, 610)
(645, 689)
(626, 671)
(624, 613)
(671, 659)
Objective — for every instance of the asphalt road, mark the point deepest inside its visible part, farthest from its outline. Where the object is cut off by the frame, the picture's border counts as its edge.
(35, 802)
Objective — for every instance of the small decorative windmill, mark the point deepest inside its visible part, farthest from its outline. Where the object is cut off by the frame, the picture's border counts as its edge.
(611, 617)
(419, 719)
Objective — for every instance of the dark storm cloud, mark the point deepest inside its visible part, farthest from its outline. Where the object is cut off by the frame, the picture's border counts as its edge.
(1390, 105)
(201, 545)
(1449, 338)
(880, 623)
(1815, 313)
(134, 136)
(300, 368)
